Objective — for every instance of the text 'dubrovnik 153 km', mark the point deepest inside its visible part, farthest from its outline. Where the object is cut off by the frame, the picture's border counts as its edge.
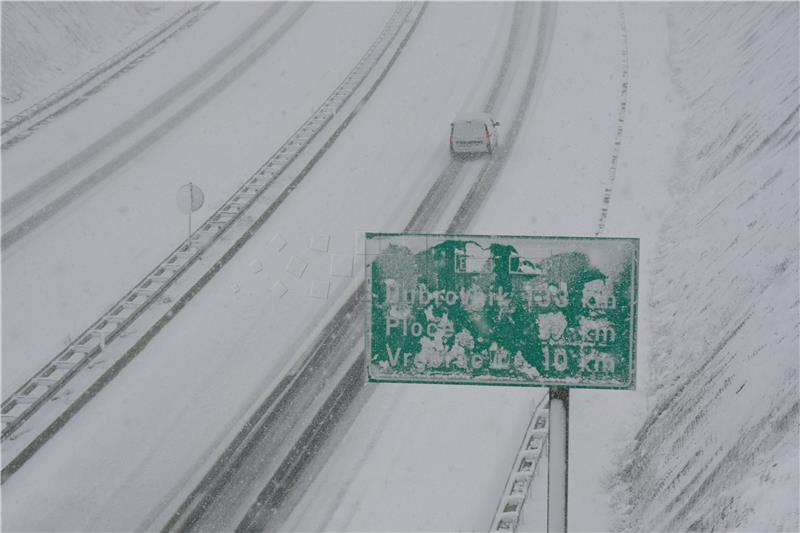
(502, 310)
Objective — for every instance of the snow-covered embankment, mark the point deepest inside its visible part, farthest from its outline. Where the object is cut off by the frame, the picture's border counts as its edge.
(719, 448)
(48, 44)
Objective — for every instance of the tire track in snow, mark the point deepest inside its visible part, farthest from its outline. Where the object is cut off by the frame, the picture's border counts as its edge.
(621, 113)
(511, 48)
(443, 185)
(490, 173)
(117, 134)
(341, 494)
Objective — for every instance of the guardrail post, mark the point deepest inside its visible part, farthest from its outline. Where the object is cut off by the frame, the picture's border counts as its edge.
(558, 456)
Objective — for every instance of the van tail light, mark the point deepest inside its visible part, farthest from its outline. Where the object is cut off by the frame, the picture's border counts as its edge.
(488, 135)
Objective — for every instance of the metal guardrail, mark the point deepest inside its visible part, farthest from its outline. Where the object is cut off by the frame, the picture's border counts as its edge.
(44, 384)
(506, 518)
(52, 99)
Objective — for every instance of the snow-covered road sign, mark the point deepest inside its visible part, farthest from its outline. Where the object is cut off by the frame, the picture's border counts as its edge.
(190, 198)
(502, 310)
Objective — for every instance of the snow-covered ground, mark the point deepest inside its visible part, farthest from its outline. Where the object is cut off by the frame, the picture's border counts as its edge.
(47, 46)
(686, 114)
(718, 449)
(60, 277)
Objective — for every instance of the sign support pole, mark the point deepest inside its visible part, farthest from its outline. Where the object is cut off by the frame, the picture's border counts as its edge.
(191, 203)
(190, 198)
(558, 456)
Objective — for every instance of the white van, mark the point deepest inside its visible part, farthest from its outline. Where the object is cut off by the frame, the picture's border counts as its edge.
(473, 132)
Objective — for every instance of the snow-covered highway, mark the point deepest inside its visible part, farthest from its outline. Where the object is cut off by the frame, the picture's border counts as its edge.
(134, 227)
(451, 51)
(237, 399)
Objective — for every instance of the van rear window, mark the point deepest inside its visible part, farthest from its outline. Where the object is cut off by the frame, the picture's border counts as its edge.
(469, 129)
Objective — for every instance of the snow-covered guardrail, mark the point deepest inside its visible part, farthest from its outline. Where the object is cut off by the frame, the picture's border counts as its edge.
(110, 66)
(506, 518)
(27, 399)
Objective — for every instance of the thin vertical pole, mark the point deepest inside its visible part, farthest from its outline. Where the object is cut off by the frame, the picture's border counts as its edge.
(558, 456)
(191, 204)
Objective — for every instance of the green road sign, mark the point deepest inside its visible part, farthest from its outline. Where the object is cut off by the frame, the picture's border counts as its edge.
(502, 310)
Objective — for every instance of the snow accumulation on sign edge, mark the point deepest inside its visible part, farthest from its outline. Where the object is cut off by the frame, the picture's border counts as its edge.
(502, 310)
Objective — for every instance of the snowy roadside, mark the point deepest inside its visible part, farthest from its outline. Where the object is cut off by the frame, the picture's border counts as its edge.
(718, 450)
(45, 47)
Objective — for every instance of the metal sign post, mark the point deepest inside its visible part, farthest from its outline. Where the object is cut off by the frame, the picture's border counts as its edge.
(190, 198)
(558, 456)
(189, 231)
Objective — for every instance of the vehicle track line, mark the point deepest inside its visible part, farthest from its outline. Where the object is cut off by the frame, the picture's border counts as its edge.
(446, 178)
(511, 48)
(309, 443)
(480, 189)
(152, 110)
